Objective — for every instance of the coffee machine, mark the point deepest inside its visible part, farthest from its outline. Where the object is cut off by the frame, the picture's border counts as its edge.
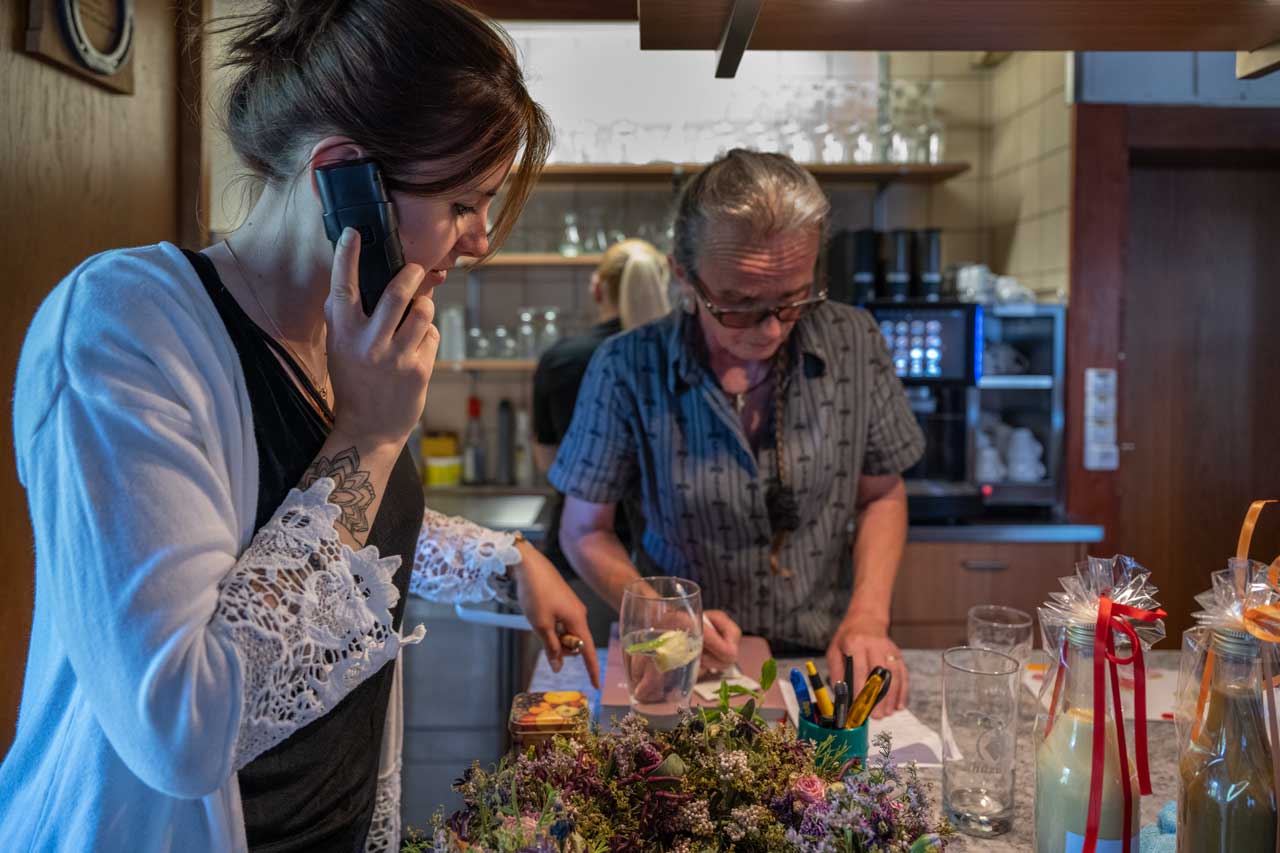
(936, 349)
(973, 375)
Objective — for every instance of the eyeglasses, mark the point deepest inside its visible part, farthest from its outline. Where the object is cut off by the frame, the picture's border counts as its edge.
(746, 318)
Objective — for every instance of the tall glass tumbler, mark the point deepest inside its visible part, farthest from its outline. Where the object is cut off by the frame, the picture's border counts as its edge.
(979, 736)
(1001, 629)
(661, 632)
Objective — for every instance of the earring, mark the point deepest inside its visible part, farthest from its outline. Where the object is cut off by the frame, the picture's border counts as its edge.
(687, 305)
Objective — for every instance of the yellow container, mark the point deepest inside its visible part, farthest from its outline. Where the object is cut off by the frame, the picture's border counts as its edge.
(443, 470)
(439, 444)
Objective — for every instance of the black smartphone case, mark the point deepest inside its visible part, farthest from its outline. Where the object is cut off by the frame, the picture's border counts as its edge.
(354, 196)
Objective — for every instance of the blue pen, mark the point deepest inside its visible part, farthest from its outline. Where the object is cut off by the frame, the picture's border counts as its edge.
(802, 694)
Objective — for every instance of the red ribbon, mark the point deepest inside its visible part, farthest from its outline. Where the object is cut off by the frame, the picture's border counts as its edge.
(1112, 617)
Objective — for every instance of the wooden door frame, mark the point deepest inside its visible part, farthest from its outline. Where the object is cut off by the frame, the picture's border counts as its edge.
(1107, 141)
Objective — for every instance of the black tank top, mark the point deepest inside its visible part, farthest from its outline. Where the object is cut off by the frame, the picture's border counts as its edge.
(315, 790)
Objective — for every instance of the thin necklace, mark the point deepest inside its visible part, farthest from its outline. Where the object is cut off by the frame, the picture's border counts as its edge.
(740, 399)
(320, 386)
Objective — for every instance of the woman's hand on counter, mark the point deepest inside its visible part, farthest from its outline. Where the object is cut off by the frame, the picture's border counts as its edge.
(549, 604)
(867, 642)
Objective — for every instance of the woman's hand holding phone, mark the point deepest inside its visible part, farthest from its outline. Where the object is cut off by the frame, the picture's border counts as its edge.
(380, 366)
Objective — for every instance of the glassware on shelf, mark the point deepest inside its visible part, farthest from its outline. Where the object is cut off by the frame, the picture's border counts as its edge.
(550, 332)
(571, 241)
(478, 345)
(930, 134)
(527, 335)
(796, 137)
(861, 136)
(594, 237)
(900, 131)
(453, 334)
(504, 345)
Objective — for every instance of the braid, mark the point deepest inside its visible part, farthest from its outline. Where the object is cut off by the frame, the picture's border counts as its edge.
(779, 498)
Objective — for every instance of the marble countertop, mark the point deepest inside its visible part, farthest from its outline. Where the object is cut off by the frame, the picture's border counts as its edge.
(925, 702)
(925, 666)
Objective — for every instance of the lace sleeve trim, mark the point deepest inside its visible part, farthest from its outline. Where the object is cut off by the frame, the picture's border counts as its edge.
(384, 830)
(457, 561)
(310, 619)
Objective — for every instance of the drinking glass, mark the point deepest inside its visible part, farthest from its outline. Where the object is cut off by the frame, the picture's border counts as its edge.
(453, 334)
(550, 328)
(660, 624)
(478, 345)
(527, 335)
(1001, 629)
(571, 242)
(504, 345)
(979, 735)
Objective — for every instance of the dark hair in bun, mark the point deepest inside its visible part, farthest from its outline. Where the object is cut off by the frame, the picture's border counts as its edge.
(409, 80)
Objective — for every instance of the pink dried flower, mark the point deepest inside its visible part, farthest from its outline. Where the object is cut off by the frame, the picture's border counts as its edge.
(810, 788)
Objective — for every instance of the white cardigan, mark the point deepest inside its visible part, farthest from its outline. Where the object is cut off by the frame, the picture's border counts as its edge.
(157, 667)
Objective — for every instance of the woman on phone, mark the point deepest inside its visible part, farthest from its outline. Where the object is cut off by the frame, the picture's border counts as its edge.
(213, 445)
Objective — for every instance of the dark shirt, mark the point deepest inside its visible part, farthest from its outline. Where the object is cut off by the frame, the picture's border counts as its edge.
(314, 791)
(555, 392)
(655, 426)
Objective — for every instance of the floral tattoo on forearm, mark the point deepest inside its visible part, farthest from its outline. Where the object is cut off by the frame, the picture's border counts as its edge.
(352, 492)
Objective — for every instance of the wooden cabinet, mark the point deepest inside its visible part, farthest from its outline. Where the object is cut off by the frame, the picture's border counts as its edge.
(939, 581)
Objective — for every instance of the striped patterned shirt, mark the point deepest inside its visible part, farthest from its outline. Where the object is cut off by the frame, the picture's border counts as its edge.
(652, 424)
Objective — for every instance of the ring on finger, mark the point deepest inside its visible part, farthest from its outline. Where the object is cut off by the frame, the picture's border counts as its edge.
(571, 644)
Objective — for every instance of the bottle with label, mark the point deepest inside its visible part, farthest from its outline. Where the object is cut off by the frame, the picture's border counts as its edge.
(1227, 796)
(1064, 762)
(524, 453)
(505, 473)
(473, 468)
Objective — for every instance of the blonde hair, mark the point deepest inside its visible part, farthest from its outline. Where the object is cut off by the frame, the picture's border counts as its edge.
(765, 194)
(634, 275)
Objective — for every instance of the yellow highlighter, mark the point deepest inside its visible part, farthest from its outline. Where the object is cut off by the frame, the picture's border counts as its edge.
(868, 697)
(821, 697)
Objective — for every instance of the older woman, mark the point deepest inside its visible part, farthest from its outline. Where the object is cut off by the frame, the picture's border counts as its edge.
(762, 430)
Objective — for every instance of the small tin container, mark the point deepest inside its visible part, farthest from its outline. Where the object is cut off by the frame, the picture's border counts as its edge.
(538, 717)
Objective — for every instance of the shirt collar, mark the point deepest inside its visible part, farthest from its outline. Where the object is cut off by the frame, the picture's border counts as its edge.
(683, 344)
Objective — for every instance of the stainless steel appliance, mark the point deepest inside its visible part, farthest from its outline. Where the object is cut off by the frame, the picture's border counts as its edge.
(982, 377)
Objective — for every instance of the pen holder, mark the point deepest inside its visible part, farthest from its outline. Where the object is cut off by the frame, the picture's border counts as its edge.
(848, 743)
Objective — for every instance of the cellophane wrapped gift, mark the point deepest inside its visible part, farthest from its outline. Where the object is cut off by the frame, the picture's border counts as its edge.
(1090, 770)
(1226, 759)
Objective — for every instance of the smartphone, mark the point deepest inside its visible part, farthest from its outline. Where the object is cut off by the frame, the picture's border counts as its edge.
(354, 195)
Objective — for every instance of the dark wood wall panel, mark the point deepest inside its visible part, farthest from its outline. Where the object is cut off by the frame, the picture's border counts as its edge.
(1200, 403)
(1099, 233)
(81, 170)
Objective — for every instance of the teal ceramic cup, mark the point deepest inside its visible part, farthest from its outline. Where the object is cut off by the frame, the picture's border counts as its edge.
(848, 743)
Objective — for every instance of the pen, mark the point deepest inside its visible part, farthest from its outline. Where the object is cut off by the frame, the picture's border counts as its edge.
(802, 695)
(848, 671)
(841, 689)
(869, 696)
(821, 698)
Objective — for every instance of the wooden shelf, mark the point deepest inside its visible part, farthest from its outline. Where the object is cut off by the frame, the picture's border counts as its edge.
(538, 259)
(489, 491)
(484, 365)
(919, 173)
(977, 25)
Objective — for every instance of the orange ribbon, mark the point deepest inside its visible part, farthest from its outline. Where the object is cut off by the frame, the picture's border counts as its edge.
(1263, 623)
